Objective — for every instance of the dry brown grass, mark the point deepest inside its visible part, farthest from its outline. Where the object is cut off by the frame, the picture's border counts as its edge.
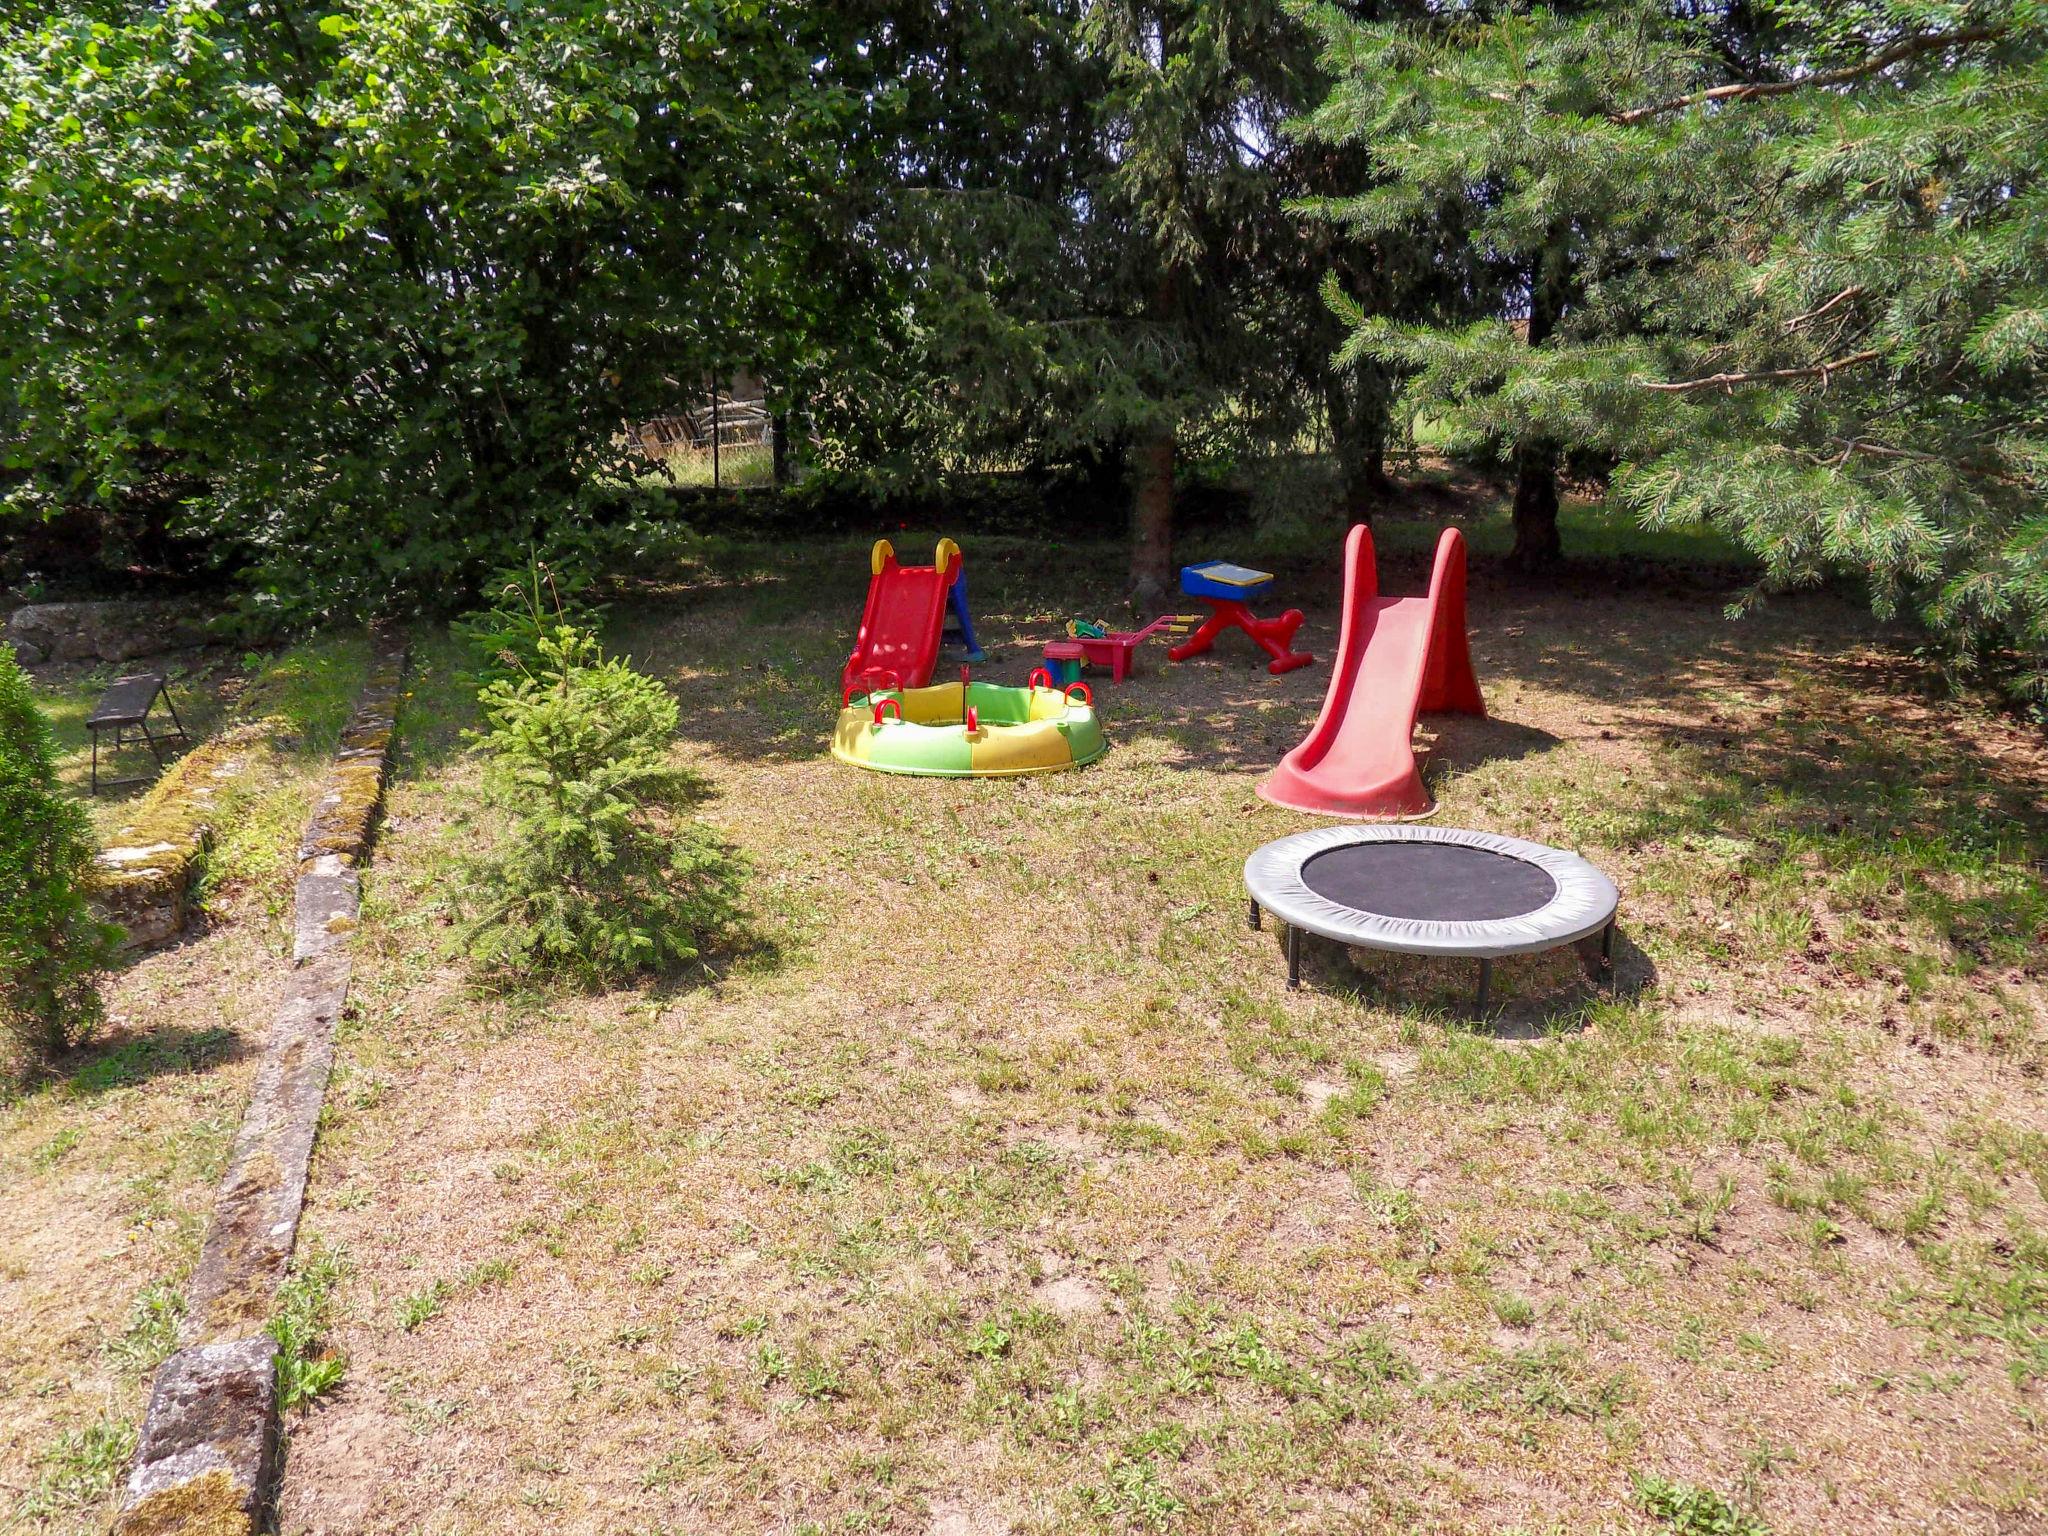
(1004, 1188)
(108, 1165)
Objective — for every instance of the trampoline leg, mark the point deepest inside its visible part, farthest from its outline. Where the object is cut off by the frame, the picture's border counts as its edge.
(1485, 983)
(1293, 958)
(1255, 915)
(1607, 953)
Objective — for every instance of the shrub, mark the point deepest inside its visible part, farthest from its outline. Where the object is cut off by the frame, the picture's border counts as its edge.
(597, 875)
(503, 636)
(52, 947)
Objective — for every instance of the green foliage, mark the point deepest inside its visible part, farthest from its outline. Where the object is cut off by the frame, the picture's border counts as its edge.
(80, 1470)
(596, 875)
(1087, 227)
(422, 1306)
(1695, 1511)
(306, 1368)
(152, 1332)
(375, 284)
(503, 637)
(52, 947)
(1781, 263)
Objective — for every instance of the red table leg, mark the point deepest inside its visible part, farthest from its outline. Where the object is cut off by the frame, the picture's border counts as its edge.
(1273, 636)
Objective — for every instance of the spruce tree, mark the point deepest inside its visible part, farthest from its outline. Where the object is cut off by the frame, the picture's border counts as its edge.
(52, 947)
(1096, 260)
(1491, 124)
(1781, 265)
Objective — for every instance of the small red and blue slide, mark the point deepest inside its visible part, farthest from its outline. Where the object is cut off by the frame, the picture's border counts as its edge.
(1397, 658)
(904, 620)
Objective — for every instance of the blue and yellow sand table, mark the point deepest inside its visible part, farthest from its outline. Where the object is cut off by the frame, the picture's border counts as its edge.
(969, 730)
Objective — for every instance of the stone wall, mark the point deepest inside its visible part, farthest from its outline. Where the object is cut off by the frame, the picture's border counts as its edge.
(106, 631)
(143, 878)
(206, 1459)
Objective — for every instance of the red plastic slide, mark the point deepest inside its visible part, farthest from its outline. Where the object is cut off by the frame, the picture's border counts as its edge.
(898, 643)
(1397, 657)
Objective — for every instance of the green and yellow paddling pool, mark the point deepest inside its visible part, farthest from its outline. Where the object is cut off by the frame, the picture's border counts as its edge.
(970, 730)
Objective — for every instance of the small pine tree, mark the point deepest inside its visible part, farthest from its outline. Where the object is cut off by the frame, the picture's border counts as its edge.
(595, 877)
(52, 948)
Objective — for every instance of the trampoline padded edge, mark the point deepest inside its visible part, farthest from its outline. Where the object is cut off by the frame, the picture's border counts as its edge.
(1584, 901)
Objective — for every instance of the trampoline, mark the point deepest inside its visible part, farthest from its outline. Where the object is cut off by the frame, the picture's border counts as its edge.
(1430, 891)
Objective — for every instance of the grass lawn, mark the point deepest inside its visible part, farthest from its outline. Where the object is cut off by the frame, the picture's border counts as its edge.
(999, 1185)
(107, 1170)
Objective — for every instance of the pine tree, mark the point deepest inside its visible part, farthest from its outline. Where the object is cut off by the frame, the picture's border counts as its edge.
(1877, 398)
(52, 948)
(1783, 266)
(1494, 124)
(1096, 258)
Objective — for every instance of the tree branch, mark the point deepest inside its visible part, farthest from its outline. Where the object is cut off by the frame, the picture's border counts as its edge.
(1821, 371)
(1853, 291)
(1854, 445)
(1898, 53)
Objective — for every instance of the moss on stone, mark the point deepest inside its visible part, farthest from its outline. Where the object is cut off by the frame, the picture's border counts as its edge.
(142, 875)
(347, 811)
(175, 818)
(211, 1504)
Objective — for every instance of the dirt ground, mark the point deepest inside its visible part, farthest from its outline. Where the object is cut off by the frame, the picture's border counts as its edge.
(1000, 1186)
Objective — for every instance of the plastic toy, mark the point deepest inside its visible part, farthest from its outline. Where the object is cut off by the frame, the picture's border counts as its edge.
(1431, 891)
(1226, 588)
(903, 623)
(958, 631)
(969, 729)
(1397, 657)
(1063, 661)
(1097, 645)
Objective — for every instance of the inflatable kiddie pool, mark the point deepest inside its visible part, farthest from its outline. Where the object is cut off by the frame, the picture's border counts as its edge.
(970, 730)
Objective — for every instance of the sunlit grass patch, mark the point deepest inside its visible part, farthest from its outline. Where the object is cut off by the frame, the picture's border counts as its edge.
(1015, 1189)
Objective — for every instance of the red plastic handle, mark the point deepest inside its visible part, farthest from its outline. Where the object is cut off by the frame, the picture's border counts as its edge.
(1036, 674)
(973, 719)
(1087, 696)
(882, 704)
(886, 675)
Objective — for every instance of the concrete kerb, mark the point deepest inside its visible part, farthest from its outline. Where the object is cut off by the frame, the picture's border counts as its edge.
(206, 1458)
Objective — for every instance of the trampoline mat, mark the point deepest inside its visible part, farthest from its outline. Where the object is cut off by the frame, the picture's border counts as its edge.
(1428, 881)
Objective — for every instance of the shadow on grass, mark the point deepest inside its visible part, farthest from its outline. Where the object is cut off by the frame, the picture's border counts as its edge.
(747, 949)
(752, 641)
(1532, 997)
(1864, 783)
(130, 1060)
(1784, 729)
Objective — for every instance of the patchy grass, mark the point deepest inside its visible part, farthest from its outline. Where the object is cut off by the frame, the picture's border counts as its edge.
(79, 1472)
(307, 1368)
(1009, 1190)
(738, 465)
(110, 1165)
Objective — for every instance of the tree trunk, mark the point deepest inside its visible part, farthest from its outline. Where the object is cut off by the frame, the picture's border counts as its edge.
(1360, 413)
(1536, 542)
(1152, 515)
(778, 451)
(1152, 478)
